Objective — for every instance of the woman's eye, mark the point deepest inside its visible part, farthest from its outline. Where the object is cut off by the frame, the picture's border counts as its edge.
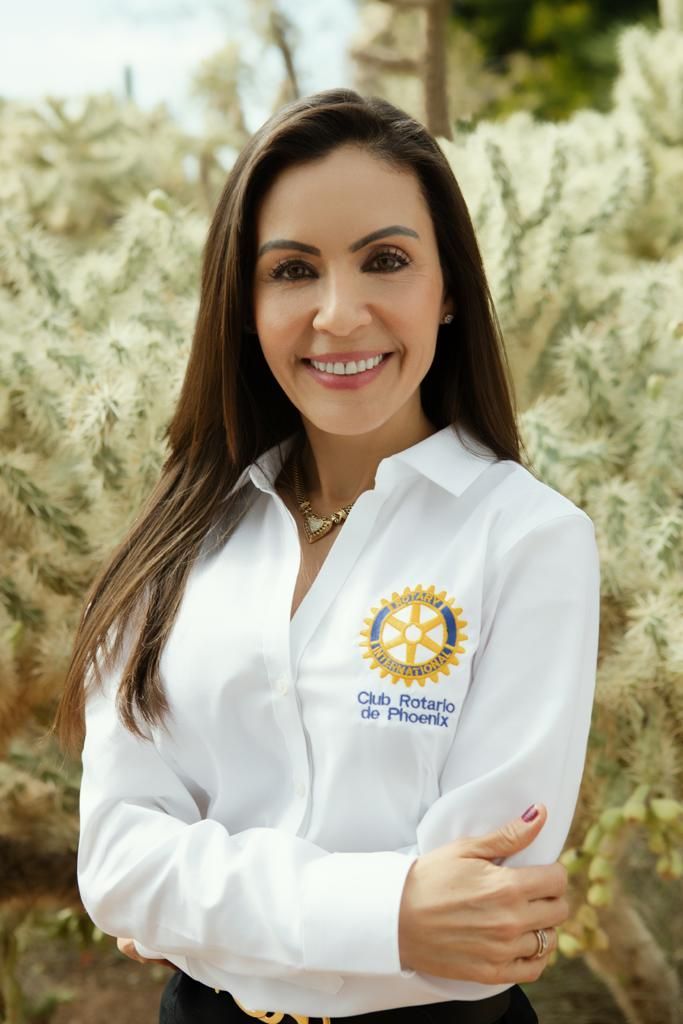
(400, 258)
(283, 269)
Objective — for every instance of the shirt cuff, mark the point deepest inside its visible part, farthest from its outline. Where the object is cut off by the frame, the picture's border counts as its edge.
(351, 904)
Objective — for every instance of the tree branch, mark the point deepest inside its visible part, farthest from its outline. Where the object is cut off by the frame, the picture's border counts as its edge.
(386, 59)
(634, 968)
(409, 4)
(279, 27)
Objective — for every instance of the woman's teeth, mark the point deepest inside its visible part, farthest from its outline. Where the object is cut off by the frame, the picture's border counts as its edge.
(347, 368)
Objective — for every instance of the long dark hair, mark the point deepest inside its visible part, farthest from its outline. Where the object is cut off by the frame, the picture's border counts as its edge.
(231, 408)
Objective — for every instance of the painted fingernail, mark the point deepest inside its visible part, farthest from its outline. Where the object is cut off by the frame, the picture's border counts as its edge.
(530, 813)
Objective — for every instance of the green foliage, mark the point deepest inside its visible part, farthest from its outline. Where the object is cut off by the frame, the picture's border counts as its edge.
(561, 56)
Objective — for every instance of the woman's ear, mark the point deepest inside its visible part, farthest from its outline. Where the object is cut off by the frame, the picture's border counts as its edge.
(448, 306)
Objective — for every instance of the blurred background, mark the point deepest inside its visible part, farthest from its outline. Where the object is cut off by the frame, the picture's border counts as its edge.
(563, 122)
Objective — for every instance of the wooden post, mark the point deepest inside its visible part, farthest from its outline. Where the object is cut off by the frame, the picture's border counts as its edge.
(435, 69)
(671, 14)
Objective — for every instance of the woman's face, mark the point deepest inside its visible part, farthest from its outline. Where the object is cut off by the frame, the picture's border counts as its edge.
(326, 291)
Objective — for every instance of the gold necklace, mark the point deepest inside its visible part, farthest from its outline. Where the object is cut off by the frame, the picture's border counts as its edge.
(316, 526)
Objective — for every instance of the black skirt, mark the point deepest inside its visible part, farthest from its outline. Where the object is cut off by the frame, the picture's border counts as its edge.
(186, 1001)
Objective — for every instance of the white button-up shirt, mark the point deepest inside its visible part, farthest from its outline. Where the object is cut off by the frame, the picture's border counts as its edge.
(436, 679)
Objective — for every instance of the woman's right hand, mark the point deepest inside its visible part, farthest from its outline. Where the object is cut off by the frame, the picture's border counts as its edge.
(465, 917)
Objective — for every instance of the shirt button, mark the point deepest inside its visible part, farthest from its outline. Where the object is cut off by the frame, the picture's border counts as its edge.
(300, 789)
(282, 686)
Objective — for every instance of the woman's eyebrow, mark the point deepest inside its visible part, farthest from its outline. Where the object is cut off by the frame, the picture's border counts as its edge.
(287, 243)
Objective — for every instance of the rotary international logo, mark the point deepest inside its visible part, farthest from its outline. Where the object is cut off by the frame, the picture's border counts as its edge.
(414, 636)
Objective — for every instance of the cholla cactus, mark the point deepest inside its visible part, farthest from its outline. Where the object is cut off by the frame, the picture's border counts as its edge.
(91, 362)
(585, 260)
(74, 165)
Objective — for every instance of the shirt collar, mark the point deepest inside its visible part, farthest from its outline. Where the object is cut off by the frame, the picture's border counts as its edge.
(451, 461)
(264, 470)
(448, 460)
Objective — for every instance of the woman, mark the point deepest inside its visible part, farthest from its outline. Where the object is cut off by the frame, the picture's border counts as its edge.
(353, 636)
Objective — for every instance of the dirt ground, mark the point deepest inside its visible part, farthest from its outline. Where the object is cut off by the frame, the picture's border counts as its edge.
(103, 986)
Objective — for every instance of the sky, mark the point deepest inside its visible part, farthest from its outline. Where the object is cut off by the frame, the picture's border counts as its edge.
(71, 47)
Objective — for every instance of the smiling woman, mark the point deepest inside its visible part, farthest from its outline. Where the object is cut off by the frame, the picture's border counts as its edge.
(304, 771)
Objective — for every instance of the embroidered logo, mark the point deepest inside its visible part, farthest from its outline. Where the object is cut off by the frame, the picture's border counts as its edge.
(414, 636)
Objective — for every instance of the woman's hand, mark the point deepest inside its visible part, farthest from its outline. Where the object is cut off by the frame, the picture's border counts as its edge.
(127, 947)
(464, 916)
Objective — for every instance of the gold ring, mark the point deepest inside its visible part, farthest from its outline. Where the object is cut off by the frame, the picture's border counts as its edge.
(542, 940)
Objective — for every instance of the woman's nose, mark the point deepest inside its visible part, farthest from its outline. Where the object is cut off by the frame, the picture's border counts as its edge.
(341, 308)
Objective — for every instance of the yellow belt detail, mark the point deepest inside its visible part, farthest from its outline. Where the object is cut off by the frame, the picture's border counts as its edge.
(275, 1016)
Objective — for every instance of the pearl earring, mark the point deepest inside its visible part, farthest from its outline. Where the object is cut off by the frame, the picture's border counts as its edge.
(447, 319)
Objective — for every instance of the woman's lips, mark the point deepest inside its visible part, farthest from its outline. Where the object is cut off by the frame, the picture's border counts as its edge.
(351, 380)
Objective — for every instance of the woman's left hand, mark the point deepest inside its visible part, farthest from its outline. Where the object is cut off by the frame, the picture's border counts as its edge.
(127, 947)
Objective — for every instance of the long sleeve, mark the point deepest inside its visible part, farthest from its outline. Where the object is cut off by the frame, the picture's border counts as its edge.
(523, 731)
(150, 867)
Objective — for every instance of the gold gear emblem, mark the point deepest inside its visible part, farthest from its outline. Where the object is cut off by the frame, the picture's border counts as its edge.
(414, 636)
